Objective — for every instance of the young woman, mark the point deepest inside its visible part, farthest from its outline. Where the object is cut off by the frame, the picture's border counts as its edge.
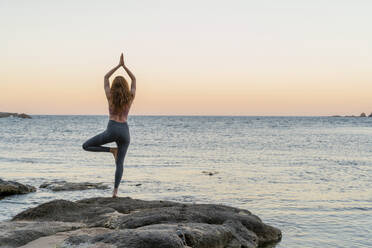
(120, 99)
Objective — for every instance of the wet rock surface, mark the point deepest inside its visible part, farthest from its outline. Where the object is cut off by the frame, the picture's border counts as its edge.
(8, 188)
(69, 186)
(127, 222)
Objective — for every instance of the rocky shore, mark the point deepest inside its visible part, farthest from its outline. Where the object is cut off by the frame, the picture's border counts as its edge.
(6, 114)
(131, 223)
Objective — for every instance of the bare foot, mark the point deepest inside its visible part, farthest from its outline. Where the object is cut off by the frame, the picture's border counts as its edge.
(114, 152)
(115, 193)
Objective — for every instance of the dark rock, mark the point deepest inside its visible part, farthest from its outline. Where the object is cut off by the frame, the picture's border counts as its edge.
(70, 239)
(138, 184)
(137, 223)
(6, 114)
(149, 237)
(210, 173)
(363, 115)
(15, 234)
(370, 115)
(77, 239)
(12, 188)
(126, 205)
(68, 186)
(24, 116)
(66, 211)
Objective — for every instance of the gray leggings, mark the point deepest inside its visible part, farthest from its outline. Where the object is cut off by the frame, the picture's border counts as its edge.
(115, 131)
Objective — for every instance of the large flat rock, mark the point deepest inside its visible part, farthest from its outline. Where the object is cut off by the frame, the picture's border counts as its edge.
(131, 223)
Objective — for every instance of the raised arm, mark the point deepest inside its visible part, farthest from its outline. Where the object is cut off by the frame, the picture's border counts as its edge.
(133, 83)
(106, 81)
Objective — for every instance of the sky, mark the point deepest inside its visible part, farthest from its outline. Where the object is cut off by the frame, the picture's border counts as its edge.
(262, 57)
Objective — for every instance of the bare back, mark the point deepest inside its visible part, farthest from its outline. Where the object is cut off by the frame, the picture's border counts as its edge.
(122, 116)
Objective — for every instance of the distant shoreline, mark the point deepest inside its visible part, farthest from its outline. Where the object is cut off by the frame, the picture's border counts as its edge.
(361, 115)
(8, 114)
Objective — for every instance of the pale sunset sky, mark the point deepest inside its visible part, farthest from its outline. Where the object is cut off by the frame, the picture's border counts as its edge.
(289, 57)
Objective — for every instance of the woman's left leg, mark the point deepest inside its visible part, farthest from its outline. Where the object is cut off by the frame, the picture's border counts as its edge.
(123, 144)
(122, 151)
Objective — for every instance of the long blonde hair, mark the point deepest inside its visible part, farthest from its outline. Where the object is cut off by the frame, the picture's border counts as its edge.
(120, 94)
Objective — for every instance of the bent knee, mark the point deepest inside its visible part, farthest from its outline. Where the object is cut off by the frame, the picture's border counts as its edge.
(85, 146)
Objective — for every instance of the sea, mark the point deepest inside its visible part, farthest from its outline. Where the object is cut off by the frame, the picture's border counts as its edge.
(311, 177)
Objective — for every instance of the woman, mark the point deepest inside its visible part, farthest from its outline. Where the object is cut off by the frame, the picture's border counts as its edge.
(119, 99)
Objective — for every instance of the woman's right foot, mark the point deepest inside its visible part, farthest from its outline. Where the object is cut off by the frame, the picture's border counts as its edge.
(114, 152)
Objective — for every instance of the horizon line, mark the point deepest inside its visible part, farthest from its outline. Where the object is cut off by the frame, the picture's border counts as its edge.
(201, 115)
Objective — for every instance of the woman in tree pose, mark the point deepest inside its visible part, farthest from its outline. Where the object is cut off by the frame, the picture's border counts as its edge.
(120, 99)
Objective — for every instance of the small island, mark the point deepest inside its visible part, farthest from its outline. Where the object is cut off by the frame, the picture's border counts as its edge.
(361, 115)
(7, 114)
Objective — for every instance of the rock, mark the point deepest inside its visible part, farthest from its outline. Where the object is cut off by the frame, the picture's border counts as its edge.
(210, 173)
(144, 238)
(12, 188)
(66, 211)
(6, 114)
(370, 115)
(363, 115)
(68, 186)
(24, 116)
(127, 222)
(70, 239)
(17, 233)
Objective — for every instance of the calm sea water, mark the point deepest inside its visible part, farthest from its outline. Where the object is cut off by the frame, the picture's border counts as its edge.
(309, 176)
